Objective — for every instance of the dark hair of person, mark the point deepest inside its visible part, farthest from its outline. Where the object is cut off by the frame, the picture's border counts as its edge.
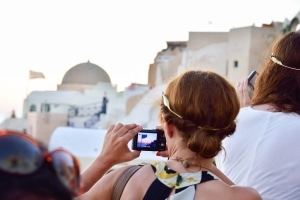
(278, 85)
(208, 104)
(42, 184)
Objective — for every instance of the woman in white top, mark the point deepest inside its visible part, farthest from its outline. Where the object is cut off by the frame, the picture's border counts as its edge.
(264, 150)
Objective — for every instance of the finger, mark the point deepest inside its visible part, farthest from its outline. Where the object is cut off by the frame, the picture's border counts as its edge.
(135, 154)
(110, 129)
(159, 127)
(163, 154)
(129, 135)
(245, 98)
(239, 92)
(125, 129)
(245, 87)
(238, 87)
(118, 127)
(238, 84)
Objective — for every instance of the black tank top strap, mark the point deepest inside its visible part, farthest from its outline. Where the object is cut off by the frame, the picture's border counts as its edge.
(206, 177)
(157, 191)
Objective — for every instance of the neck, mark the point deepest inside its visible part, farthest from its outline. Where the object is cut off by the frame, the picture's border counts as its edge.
(193, 162)
(188, 158)
(265, 107)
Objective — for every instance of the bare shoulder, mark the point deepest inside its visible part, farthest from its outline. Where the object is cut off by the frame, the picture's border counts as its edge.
(222, 191)
(139, 183)
(247, 193)
(104, 186)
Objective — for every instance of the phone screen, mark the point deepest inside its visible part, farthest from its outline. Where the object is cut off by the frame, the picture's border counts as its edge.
(146, 140)
(251, 79)
(149, 140)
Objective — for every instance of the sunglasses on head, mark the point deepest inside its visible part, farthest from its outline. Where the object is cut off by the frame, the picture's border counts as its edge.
(166, 103)
(22, 155)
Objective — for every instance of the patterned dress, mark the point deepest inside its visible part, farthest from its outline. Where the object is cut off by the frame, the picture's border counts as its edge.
(168, 179)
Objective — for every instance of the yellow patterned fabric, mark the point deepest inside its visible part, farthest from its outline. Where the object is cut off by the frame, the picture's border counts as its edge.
(183, 183)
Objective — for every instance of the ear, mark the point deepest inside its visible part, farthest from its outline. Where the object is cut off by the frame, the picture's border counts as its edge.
(170, 130)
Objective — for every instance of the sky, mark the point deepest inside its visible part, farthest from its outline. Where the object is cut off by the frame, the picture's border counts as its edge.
(122, 37)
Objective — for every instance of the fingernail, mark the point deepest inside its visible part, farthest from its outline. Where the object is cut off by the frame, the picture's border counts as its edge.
(158, 153)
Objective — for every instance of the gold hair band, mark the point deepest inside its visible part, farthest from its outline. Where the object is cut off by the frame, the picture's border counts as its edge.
(214, 129)
(277, 61)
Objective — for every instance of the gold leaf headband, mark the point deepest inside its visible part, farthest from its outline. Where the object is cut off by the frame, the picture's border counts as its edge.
(277, 61)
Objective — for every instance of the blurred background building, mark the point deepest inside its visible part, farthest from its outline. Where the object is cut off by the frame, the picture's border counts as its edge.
(86, 98)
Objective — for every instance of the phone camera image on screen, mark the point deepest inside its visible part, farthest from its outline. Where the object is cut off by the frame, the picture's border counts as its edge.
(149, 140)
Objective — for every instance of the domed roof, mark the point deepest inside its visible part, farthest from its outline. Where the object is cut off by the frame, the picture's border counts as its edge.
(85, 73)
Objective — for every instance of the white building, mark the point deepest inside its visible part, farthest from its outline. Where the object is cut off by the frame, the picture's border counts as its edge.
(78, 100)
(84, 99)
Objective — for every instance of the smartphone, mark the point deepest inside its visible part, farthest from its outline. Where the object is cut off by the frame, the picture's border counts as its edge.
(251, 79)
(149, 140)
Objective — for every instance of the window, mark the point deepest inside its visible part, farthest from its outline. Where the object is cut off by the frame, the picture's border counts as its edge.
(32, 108)
(45, 107)
(235, 63)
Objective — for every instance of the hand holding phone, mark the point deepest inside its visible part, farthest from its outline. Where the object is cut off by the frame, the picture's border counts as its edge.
(245, 89)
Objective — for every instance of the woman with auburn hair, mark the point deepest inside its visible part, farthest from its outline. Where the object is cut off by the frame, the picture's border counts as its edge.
(264, 151)
(198, 110)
